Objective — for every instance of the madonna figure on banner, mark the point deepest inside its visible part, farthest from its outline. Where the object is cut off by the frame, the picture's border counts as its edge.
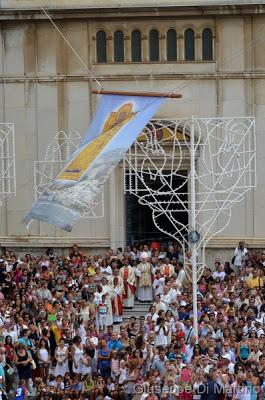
(145, 272)
(128, 276)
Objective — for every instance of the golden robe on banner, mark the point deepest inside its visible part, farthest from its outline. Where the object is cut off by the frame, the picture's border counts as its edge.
(78, 166)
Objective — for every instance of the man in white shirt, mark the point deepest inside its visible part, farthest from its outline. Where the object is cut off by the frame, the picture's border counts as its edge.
(255, 354)
(173, 294)
(240, 254)
(43, 292)
(168, 296)
(161, 332)
(107, 270)
(158, 284)
(190, 348)
(229, 351)
(181, 275)
(189, 330)
(219, 273)
(9, 266)
(9, 330)
(249, 327)
(152, 313)
(226, 361)
(258, 326)
(159, 304)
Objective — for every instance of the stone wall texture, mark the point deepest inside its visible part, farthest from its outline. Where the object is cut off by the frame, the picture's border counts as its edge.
(44, 88)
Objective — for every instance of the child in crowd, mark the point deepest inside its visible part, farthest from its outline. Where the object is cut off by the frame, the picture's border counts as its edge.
(102, 313)
(22, 391)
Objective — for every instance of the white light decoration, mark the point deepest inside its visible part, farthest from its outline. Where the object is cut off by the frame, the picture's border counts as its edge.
(57, 154)
(7, 161)
(200, 167)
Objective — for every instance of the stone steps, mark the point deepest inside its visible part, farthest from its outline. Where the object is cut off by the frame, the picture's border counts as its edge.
(138, 310)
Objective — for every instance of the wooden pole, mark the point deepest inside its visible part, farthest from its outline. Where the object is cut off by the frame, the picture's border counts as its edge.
(143, 94)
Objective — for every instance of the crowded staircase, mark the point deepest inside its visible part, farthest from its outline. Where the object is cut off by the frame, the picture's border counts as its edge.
(140, 308)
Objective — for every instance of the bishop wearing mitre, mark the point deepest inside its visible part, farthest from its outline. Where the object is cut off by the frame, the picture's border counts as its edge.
(128, 276)
(145, 272)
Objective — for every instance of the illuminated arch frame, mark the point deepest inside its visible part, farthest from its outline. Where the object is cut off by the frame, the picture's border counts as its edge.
(56, 156)
(7, 161)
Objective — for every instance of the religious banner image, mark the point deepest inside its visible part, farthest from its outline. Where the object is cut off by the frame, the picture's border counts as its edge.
(117, 123)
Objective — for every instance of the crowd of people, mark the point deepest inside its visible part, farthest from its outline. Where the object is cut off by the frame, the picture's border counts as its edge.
(62, 333)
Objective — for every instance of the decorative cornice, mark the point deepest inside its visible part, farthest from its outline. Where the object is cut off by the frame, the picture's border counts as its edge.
(97, 10)
(121, 76)
(104, 242)
(232, 242)
(51, 241)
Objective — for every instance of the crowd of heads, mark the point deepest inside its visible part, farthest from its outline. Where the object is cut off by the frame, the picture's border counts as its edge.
(64, 335)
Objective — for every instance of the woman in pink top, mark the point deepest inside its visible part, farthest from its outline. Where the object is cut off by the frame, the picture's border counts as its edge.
(185, 384)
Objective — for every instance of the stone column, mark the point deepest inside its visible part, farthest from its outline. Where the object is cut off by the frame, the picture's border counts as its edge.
(110, 49)
(127, 48)
(145, 48)
(198, 47)
(162, 48)
(180, 47)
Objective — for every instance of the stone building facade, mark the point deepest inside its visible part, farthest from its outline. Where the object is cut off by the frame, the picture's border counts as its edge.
(44, 88)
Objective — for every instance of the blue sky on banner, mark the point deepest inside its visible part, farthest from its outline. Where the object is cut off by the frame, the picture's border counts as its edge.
(112, 102)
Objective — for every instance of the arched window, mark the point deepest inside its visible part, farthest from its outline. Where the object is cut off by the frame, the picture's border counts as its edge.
(101, 42)
(189, 39)
(154, 45)
(171, 45)
(118, 46)
(136, 46)
(207, 44)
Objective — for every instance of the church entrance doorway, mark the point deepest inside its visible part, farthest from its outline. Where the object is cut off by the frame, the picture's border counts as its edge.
(139, 222)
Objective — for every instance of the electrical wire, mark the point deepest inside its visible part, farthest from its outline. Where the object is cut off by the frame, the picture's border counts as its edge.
(181, 86)
(73, 50)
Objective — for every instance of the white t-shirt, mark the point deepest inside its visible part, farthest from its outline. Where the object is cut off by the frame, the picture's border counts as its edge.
(181, 276)
(166, 298)
(106, 270)
(154, 316)
(158, 285)
(160, 338)
(173, 295)
(160, 306)
(43, 355)
(241, 393)
(13, 335)
(231, 368)
(239, 256)
(219, 274)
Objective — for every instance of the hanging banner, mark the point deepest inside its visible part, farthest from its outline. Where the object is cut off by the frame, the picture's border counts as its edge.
(118, 121)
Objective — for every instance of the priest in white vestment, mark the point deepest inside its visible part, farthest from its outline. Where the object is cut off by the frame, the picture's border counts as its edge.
(120, 280)
(167, 269)
(145, 272)
(107, 291)
(117, 309)
(159, 284)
